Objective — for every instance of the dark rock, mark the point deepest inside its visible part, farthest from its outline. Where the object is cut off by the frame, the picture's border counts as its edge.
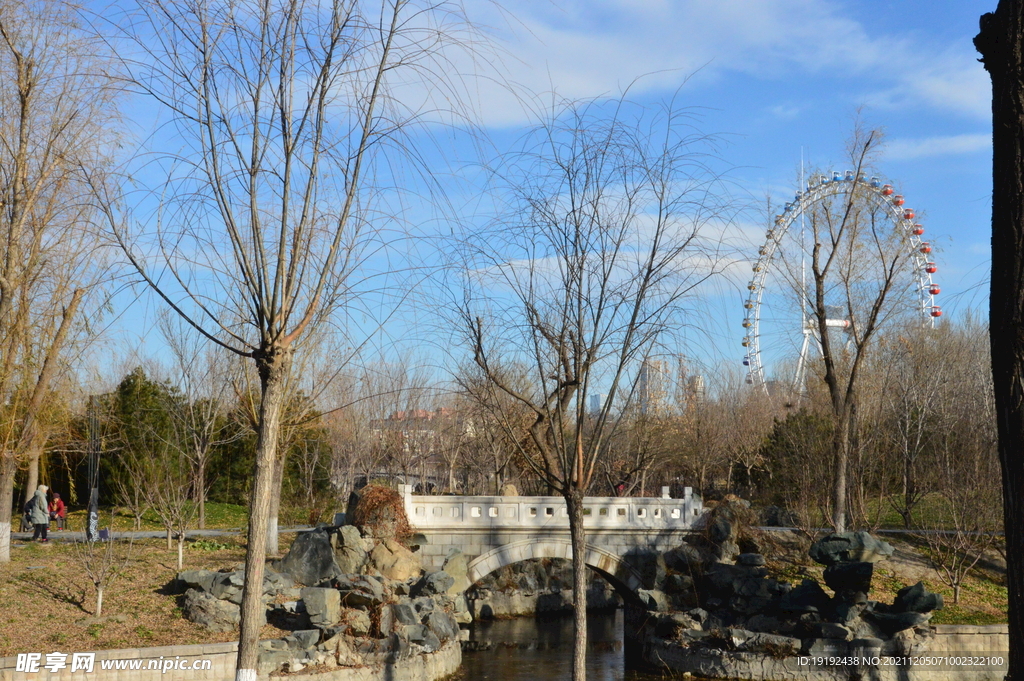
(678, 583)
(443, 625)
(437, 583)
(227, 586)
(683, 558)
(649, 564)
(808, 597)
(208, 611)
(758, 642)
(360, 591)
(310, 559)
(303, 639)
(891, 622)
(763, 623)
(721, 529)
(668, 625)
(849, 547)
(832, 630)
(750, 559)
(423, 604)
(276, 582)
(849, 577)
(916, 598)
(846, 612)
(200, 580)
(404, 613)
(699, 614)
(422, 636)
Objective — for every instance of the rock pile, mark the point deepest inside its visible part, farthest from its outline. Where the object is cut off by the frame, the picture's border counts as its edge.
(349, 600)
(742, 609)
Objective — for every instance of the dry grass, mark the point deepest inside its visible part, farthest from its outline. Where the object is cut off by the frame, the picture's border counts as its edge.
(47, 598)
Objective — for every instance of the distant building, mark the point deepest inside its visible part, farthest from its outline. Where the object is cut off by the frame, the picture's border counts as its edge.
(653, 386)
(596, 403)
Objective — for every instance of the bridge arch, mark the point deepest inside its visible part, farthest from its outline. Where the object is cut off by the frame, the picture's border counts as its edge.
(617, 572)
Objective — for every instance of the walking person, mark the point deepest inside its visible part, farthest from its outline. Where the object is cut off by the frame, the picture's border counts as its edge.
(40, 515)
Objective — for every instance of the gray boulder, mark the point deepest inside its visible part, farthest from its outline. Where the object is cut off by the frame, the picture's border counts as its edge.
(849, 547)
(349, 553)
(360, 591)
(443, 625)
(683, 558)
(891, 622)
(916, 598)
(808, 597)
(437, 583)
(422, 636)
(209, 611)
(404, 613)
(227, 586)
(200, 580)
(323, 606)
(310, 560)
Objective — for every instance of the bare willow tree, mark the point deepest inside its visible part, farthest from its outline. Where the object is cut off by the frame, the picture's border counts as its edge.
(281, 115)
(54, 104)
(578, 281)
(861, 271)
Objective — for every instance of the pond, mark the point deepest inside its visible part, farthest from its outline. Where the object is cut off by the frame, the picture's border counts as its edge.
(528, 649)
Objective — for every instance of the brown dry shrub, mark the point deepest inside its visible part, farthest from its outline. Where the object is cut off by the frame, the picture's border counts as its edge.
(380, 513)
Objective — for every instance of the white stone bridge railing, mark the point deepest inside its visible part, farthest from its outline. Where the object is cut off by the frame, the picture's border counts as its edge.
(549, 514)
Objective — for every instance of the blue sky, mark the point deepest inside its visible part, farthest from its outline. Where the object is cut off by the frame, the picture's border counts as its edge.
(777, 79)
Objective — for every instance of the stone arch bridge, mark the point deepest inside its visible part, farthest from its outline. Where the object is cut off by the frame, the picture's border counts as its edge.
(493, 531)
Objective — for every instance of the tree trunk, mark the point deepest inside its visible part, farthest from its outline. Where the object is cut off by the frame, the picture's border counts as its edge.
(32, 479)
(99, 601)
(201, 491)
(170, 546)
(275, 506)
(181, 550)
(1001, 44)
(273, 368)
(577, 533)
(8, 469)
(841, 445)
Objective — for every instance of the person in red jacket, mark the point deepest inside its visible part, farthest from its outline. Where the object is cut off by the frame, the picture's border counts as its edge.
(58, 511)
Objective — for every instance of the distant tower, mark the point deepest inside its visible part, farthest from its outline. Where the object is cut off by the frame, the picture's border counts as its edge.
(653, 386)
(596, 403)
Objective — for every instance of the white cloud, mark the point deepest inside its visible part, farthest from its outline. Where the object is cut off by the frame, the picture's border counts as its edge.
(585, 48)
(905, 149)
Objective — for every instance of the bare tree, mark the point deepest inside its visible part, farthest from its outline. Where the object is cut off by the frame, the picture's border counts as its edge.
(284, 110)
(54, 105)
(103, 563)
(199, 416)
(580, 280)
(862, 275)
(169, 478)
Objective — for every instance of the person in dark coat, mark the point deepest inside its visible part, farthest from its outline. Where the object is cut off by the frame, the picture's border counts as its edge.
(39, 514)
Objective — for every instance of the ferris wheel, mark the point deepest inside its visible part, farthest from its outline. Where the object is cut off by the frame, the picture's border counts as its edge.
(770, 321)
